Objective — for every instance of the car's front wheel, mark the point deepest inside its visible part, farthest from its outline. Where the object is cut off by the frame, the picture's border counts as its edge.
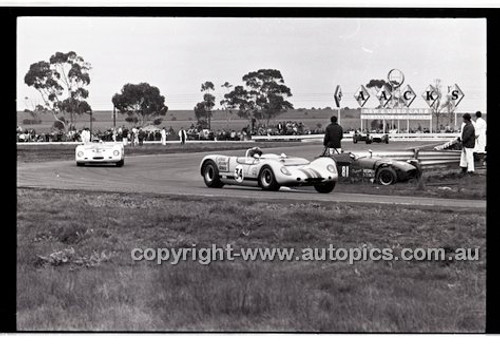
(325, 187)
(267, 180)
(80, 164)
(211, 175)
(120, 163)
(386, 176)
(355, 140)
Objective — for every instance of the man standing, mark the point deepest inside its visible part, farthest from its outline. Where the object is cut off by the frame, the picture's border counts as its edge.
(163, 134)
(480, 128)
(182, 136)
(333, 136)
(468, 138)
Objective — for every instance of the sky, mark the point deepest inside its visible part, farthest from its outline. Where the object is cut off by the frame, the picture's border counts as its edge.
(314, 55)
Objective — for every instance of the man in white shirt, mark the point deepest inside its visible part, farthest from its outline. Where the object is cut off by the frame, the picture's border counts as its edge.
(480, 128)
(163, 134)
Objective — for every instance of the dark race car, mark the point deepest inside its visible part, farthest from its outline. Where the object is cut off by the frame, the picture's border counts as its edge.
(384, 171)
(370, 137)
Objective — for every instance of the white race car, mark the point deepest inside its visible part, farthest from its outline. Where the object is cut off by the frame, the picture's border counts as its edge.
(269, 171)
(98, 152)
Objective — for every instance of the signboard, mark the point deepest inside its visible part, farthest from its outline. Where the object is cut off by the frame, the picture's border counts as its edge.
(338, 96)
(384, 95)
(362, 96)
(395, 77)
(430, 95)
(396, 113)
(455, 94)
(408, 95)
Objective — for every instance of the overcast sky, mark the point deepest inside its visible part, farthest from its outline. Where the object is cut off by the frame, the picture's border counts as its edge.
(314, 55)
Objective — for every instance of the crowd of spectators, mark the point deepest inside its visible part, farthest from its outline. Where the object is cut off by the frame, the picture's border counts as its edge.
(137, 135)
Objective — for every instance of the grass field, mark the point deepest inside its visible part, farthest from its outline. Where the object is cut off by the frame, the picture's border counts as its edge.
(91, 283)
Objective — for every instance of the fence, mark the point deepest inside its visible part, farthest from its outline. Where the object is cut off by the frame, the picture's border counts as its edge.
(348, 136)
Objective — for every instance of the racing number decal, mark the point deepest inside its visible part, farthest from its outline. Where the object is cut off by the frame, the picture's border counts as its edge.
(345, 171)
(238, 173)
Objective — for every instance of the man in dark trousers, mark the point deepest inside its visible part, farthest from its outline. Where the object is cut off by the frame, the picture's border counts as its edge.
(333, 136)
(468, 139)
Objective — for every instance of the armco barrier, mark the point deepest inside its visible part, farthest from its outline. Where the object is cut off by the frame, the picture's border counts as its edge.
(438, 137)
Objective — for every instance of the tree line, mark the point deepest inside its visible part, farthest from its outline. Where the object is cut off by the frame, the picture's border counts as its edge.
(62, 83)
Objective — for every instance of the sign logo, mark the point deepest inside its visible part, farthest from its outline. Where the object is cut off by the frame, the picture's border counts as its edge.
(338, 95)
(362, 96)
(455, 94)
(384, 95)
(430, 95)
(395, 77)
(408, 95)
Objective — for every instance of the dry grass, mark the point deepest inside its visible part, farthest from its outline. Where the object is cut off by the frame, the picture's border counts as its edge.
(117, 294)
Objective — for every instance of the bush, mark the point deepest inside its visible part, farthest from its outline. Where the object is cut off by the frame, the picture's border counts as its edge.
(132, 119)
(174, 118)
(157, 121)
(59, 124)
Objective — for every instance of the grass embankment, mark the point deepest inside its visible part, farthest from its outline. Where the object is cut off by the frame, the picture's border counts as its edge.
(445, 183)
(91, 283)
(48, 152)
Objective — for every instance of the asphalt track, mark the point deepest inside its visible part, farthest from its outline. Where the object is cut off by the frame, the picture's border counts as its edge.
(178, 174)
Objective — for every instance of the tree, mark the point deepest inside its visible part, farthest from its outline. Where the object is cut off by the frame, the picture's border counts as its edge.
(441, 103)
(140, 99)
(263, 96)
(225, 103)
(203, 110)
(62, 84)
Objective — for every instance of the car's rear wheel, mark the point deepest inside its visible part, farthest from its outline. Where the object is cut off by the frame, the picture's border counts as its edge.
(120, 163)
(355, 140)
(325, 187)
(211, 175)
(386, 176)
(267, 180)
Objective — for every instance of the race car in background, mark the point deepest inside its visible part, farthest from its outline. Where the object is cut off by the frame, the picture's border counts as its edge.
(268, 171)
(384, 171)
(99, 152)
(370, 137)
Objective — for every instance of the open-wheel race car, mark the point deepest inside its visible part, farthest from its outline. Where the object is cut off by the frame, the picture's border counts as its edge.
(99, 152)
(384, 171)
(269, 171)
(370, 137)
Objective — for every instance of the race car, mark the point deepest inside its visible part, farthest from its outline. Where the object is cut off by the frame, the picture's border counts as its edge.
(99, 152)
(268, 171)
(370, 138)
(384, 171)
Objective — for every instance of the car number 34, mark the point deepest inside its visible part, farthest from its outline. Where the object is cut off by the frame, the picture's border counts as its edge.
(238, 174)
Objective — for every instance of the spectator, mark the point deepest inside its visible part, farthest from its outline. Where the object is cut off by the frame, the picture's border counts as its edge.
(333, 136)
(163, 133)
(140, 136)
(182, 136)
(480, 128)
(468, 138)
